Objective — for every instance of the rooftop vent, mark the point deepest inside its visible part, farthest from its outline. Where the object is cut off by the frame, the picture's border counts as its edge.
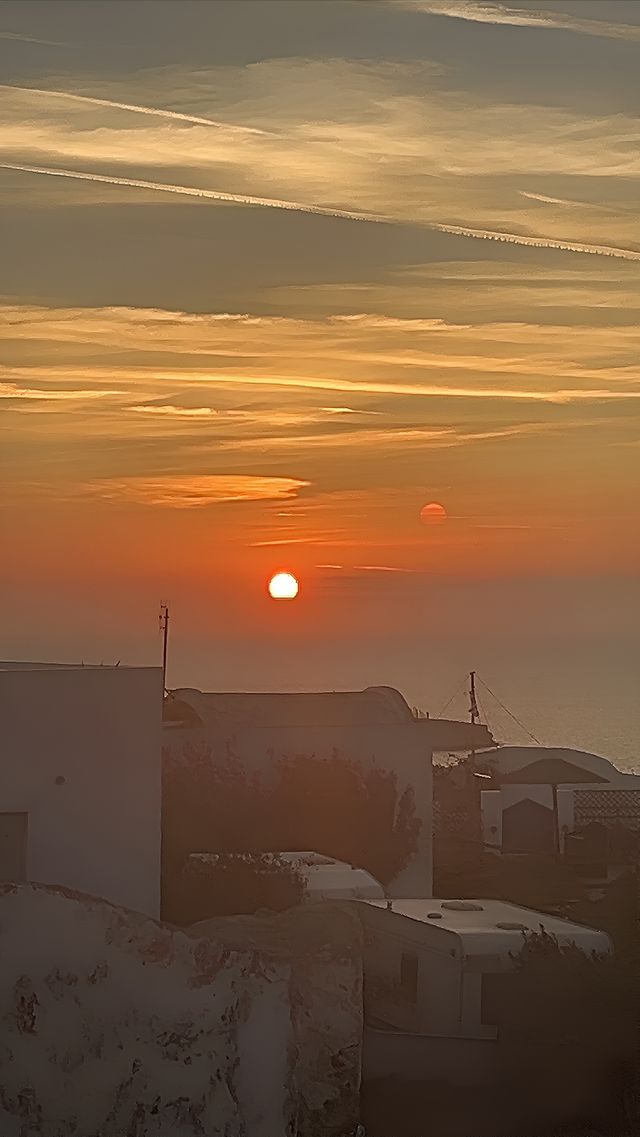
(509, 926)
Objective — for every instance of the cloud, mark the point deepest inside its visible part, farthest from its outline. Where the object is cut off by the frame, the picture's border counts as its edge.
(20, 37)
(540, 242)
(186, 366)
(549, 200)
(554, 395)
(53, 395)
(136, 108)
(519, 17)
(381, 568)
(362, 140)
(168, 411)
(192, 491)
(193, 191)
(329, 211)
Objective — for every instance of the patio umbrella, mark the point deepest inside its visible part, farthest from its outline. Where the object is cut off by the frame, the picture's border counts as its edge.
(550, 771)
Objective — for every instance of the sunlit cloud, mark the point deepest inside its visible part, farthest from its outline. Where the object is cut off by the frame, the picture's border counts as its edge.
(136, 108)
(358, 357)
(381, 568)
(549, 200)
(318, 131)
(193, 191)
(192, 491)
(541, 242)
(168, 411)
(53, 395)
(557, 395)
(328, 211)
(477, 12)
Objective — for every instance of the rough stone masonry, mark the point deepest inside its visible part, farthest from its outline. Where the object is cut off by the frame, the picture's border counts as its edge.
(115, 1025)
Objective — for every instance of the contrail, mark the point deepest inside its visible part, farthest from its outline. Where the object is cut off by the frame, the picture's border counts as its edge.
(329, 211)
(20, 38)
(539, 242)
(549, 200)
(193, 191)
(156, 112)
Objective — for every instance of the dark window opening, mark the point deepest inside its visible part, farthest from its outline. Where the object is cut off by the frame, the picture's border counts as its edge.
(13, 846)
(409, 976)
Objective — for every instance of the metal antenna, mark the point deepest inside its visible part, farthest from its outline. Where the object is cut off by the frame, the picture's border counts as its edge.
(474, 713)
(164, 628)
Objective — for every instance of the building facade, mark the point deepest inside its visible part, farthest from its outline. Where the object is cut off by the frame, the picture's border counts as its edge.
(80, 780)
(538, 796)
(347, 774)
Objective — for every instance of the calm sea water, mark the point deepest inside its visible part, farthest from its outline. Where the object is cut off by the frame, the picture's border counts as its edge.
(576, 695)
(580, 700)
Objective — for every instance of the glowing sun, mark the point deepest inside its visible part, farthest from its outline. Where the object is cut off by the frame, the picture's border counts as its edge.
(283, 586)
(433, 513)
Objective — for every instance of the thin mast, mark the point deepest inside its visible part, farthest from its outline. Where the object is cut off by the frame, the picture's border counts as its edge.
(474, 713)
(164, 627)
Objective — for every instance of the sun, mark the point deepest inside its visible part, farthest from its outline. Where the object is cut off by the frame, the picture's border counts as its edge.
(283, 586)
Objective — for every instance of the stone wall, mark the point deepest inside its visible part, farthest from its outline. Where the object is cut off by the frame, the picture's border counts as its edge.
(114, 1025)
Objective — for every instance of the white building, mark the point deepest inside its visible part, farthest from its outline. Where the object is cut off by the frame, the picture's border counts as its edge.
(328, 879)
(436, 972)
(80, 779)
(373, 729)
(324, 878)
(538, 795)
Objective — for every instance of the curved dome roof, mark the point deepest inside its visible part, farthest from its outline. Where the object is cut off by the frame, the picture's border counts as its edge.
(374, 705)
(549, 764)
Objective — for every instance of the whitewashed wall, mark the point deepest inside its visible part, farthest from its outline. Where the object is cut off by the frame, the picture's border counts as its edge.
(81, 755)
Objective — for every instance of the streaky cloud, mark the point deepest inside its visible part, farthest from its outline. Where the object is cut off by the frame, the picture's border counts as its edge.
(19, 37)
(328, 211)
(189, 491)
(539, 242)
(194, 191)
(548, 200)
(136, 108)
(382, 568)
(497, 14)
(53, 395)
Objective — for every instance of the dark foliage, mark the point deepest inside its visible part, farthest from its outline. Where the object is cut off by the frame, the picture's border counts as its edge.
(326, 804)
(236, 884)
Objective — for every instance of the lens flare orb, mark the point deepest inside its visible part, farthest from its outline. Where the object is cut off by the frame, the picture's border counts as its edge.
(433, 513)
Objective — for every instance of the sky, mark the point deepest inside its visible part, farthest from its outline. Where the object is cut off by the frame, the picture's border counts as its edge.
(277, 274)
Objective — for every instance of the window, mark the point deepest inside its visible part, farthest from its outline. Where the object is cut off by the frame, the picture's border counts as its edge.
(13, 846)
(409, 976)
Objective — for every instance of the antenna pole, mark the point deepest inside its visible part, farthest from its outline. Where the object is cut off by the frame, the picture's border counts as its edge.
(164, 628)
(474, 713)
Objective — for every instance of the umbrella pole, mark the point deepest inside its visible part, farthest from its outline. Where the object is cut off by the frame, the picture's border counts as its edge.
(556, 820)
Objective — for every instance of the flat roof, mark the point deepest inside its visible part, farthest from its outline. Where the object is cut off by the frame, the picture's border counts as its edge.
(493, 926)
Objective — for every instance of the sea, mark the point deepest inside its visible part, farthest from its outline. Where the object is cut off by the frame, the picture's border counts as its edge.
(584, 702)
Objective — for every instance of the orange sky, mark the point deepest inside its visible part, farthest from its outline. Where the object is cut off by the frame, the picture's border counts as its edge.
(196, 393)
